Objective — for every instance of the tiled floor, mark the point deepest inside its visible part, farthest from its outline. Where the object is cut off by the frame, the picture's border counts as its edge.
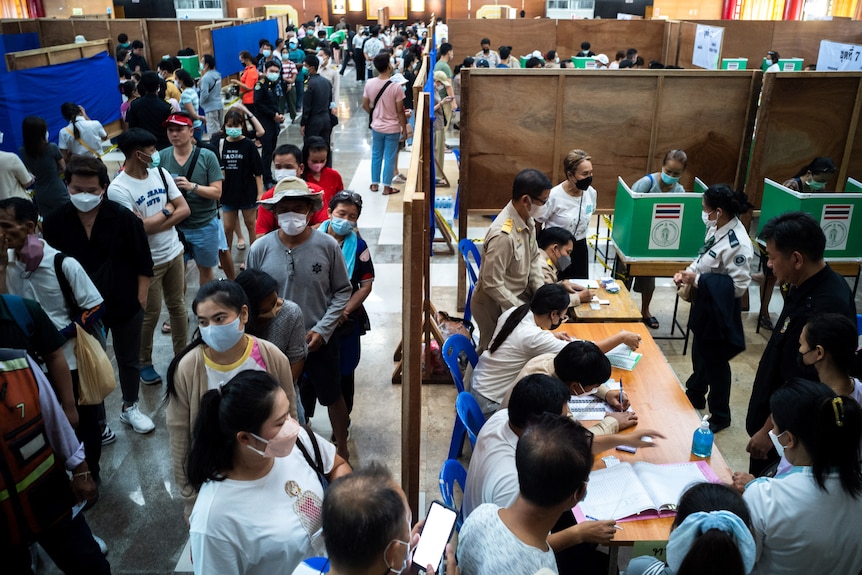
(139, 514)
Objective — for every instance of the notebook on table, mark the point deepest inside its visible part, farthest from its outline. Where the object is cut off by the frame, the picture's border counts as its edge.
(634, 492)
(623, 357)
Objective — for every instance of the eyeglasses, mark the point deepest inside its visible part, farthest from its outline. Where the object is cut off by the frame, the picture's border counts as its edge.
(538, 201)
(349, 196)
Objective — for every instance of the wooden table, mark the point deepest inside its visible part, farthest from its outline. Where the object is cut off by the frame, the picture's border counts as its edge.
(621, 308)
(661, 268)
(661, 405)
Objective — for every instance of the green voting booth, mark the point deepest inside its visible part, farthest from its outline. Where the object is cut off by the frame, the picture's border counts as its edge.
(656, 226)
(584, 62)
(838, 213)
(853, 185)
(734, 63)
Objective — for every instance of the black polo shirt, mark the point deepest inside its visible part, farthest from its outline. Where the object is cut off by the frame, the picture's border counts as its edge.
(824, 292)
(148, 112)
(114, 255)
(43, 337)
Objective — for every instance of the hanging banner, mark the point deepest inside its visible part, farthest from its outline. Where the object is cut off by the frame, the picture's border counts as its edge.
(666, 226)
(835, 56)
(707, 47)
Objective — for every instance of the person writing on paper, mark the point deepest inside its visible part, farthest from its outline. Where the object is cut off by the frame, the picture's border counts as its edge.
(711, 533)
(258, 478)
(721, 274)
(493, 476)
(795, 243)
(827, 342)
(661, 182)
(803, 521)
(523, 333)
(570, 206)
(557, 244)
(811, 179)
(583, 367)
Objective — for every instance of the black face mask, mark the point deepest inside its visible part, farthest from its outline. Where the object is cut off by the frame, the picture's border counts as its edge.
(805, 371)
(584, 184)
(556, 325)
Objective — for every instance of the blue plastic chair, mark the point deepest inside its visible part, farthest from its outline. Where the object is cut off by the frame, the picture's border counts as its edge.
(457, 153)
(470, 415)
(468, 249)
(451, 473)
(452, 348)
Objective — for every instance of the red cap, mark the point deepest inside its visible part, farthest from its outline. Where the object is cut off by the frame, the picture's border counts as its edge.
(177, 120)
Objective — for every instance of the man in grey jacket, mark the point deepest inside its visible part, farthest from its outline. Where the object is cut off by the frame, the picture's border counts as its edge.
(211, 101)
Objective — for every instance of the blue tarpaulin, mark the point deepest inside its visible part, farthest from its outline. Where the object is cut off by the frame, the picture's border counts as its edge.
(229, 42)
(16, 43)
(89, 82)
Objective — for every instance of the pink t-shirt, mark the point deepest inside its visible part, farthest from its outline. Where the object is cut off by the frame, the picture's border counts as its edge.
(384, 116)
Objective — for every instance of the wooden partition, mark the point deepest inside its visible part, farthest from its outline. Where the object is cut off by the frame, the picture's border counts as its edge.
(20, 26)
(608, 36)
(792, 128)
(55, 55)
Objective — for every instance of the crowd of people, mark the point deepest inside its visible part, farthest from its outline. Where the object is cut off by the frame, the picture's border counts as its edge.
(261, 491)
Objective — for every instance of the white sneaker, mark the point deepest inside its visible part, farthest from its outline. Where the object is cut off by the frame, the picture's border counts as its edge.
(139, 422)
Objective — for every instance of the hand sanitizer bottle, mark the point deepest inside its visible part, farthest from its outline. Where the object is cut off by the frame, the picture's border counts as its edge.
(701, 443)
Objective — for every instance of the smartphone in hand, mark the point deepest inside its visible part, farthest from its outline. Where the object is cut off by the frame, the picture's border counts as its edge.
(435, 535)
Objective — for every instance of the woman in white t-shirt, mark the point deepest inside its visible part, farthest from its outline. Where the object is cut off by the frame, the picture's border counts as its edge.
(83, 136)
(571, 205)
(803, 521)
(260, 478)
(773, 58)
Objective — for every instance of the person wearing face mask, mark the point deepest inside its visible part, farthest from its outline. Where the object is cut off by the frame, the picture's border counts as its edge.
(721, 273)
(310, 270)
(220, 350)
(810, 179)
(800, 520)
(317, 104)
(827, 342)
(795, 244)
(243, 179)
(344, 210)
(287, 163)
(33, 274)
(584, 369)
(149, 111)
(274, 319)
(259, 479)
(266, 111)
(557, 244)
(511, 269)
(149, 192)
(522, 333)
(383, 99)
(264, 55)
(664, 181)
(103, 235)
(492, 57)
(367, 525)
(328, 71)
(571, 206)
(315, 158)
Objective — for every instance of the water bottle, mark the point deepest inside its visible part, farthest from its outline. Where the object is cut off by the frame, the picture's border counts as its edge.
(701, 443)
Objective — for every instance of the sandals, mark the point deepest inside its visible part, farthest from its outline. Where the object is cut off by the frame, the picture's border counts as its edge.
(389, 190)
(166, 328)
(374, 187)
(651, 322)
(765, 322)
(240, 245)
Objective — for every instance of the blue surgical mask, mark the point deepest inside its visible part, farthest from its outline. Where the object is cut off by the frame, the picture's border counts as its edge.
(816, 186)
(273, 76)
(341, 226)
(233, 132)
(266, 53)
(668, 180)
(155, 160)
(222, 337)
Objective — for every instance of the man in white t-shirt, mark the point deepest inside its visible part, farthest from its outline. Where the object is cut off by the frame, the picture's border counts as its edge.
(553, 461)
(151, 194)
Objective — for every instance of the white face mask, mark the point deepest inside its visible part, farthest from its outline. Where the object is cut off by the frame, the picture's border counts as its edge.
(292, 224)
(537, 211)
(284, 173)
(85, 202)
(706, 221)
(778, 447)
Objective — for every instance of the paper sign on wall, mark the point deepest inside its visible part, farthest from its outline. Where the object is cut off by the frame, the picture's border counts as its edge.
(835, 221)
(666, 226)
(837, 56)
(707, 47)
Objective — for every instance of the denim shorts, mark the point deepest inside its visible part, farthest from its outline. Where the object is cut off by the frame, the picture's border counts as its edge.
(244, 208)
(205, 242)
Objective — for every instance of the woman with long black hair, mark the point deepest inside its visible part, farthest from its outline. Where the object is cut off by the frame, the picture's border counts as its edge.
(83, 136)
(45, 161)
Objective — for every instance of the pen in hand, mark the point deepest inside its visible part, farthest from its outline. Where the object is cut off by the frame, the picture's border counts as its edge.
(622, 405)
(591, 518)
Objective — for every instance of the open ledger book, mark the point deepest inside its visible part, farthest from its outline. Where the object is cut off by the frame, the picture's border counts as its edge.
(627, 492)
(623, 357)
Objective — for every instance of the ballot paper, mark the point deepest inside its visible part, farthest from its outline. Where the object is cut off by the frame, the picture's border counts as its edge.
(623, 357)
(588, 407)
(589, 284)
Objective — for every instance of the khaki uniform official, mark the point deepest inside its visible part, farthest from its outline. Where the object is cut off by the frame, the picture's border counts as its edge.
(549, 272)
(511, 270)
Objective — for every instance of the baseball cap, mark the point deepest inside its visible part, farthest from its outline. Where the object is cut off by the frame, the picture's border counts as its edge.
(602, 58)
(177, 120)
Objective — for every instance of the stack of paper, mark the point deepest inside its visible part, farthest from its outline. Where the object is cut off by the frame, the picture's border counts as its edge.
(623, 357)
